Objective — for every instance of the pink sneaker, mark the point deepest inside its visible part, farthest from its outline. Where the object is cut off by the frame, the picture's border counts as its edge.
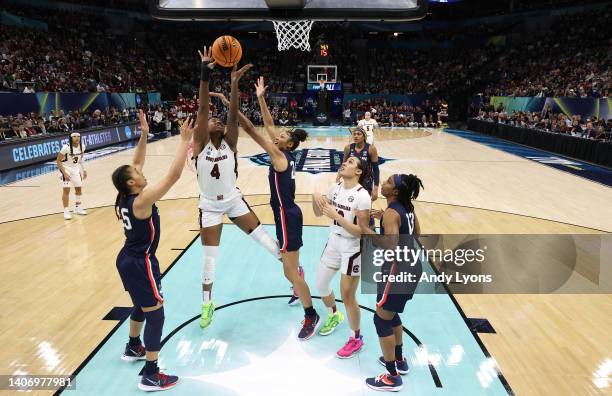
(351, 348)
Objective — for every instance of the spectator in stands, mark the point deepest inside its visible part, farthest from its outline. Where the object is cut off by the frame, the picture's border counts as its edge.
(54, 127)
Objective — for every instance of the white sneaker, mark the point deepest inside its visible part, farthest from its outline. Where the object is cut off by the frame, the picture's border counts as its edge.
(80, 211)
(67, 215)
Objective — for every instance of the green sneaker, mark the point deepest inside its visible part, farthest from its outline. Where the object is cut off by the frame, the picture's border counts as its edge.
(207, 314)
(331, 323)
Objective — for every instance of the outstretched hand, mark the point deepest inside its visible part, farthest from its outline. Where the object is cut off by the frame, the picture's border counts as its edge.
(206, 57)
(260, 87)
(238, 73)
(221, 97)
(187, 129)
(144, 124)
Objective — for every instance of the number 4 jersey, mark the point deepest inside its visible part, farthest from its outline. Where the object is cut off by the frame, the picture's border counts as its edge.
(217, 172)
(346, 201)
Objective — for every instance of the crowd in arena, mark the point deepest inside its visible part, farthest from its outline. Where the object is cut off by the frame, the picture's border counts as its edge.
(78, 54)
(32, 124)
(549, 121)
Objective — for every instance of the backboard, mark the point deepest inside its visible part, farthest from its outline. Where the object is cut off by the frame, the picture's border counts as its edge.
(317, 10)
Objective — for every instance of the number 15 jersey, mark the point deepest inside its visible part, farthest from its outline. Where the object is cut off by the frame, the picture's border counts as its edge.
(217, 172)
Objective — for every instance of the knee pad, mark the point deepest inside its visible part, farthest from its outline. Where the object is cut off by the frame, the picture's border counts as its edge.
(137, 314)
(396, 321)
(384, 328)
(153, 329)
(209, 264)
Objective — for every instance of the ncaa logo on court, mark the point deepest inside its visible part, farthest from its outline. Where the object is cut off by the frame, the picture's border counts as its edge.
(312, 160)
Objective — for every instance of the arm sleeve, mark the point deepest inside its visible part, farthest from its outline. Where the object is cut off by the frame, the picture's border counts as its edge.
(376, 173)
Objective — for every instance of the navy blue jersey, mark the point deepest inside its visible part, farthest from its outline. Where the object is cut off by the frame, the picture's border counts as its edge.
(282, 184)
(364, 155)
(407, 220)
(141, 236)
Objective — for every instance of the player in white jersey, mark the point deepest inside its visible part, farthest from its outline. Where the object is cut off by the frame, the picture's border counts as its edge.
(72, 171)
(215, 156)
(348, 204)
(368, 124)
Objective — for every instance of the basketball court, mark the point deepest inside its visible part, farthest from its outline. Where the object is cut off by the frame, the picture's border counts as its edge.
(76, 308)
(66, 313)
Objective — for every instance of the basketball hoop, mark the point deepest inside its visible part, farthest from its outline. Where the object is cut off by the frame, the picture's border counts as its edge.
(293, 34)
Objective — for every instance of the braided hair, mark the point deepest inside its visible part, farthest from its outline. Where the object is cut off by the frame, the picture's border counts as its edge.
(71, 145)
(120, 178)
(408, 189)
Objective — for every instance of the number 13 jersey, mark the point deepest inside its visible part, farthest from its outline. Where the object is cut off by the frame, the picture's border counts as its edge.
(217, 172)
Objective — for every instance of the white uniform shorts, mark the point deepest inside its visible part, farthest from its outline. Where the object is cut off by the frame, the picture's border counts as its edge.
(75, 178)
(212, 211)
(342, 253)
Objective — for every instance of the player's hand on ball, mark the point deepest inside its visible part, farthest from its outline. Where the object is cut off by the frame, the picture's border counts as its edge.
(144, 125)
(260, 87)
(376, 213)
(187, 129)
(206, 57)
(221, 97)
(238, 73)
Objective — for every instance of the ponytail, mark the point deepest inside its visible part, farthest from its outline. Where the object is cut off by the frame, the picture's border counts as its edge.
(120, 178)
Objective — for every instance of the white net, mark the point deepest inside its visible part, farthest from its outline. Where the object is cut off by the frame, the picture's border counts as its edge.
(293, 34)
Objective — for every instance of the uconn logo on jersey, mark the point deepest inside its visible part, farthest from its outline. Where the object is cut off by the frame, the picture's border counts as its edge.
(313, 160)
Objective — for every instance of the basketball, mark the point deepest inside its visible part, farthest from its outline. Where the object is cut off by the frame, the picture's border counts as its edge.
(227, 51)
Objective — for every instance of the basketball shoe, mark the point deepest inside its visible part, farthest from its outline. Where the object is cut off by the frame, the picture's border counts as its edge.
(133, 353)
(207, 313)
(309, 326)
(385, 382)
(400, 365)
(333, 320)
(157, 382)
(352, 347)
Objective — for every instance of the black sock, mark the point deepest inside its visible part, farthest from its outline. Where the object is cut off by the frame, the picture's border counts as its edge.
(391, 368)
(135, 341)
(398, 352)
(310, 311)
(151, 367)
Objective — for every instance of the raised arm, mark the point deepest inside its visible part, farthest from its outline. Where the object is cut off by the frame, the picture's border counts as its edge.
(201, 135)
(145, 200)
(279, 161)
(141, 147)
(260, 90)
(231, 135)
(375, 172)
